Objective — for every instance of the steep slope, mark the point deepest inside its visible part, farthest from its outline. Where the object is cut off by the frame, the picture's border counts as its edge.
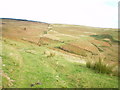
(55, 54)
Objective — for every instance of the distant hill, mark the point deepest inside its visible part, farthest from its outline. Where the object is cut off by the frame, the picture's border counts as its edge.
(23, 29)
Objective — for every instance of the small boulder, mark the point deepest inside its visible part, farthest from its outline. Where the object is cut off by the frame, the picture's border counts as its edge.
(32, 85)
(30, 51)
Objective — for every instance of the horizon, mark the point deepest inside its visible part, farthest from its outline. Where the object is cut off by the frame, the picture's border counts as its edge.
(54, 23)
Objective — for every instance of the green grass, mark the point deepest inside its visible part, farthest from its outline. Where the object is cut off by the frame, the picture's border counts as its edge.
(103, 36)
(53, 72)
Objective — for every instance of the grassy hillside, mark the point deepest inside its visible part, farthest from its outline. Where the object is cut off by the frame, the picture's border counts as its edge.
(41, 55)
(26, 64)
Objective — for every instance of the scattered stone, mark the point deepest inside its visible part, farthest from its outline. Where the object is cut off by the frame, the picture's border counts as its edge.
(24, 39)
(32, 85)
(11, 70)
(106, 39)
(30, 51)
(57, 76)
(3, 65)
(15, 64)
(57, 63)
(11, 54)
(38, 83)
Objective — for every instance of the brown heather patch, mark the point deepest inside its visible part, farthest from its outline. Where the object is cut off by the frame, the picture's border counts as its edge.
(100, 43)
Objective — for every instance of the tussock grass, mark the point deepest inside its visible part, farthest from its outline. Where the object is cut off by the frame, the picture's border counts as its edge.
(101, 67)
(49, 53)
